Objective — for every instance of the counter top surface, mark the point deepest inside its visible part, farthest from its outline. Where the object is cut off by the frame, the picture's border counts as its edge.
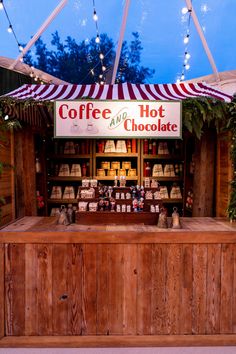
(40, 224)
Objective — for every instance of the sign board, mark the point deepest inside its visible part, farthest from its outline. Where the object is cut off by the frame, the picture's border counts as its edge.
(116, 119)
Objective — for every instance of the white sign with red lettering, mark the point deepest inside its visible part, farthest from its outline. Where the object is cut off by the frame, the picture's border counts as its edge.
(138, 119)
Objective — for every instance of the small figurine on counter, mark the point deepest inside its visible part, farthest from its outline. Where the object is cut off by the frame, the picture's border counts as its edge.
(141, 204)
(101, 204)
(135, 204)
(63, 220)
(113, 204)
(110, 190)
(162, 220)
(175, 219)
(70, 213)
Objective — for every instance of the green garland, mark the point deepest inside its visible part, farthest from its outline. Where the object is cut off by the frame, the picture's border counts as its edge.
(231, 126)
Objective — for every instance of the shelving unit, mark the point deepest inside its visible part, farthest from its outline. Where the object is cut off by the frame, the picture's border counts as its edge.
(174, 156)
(120, 157)
(94, 160)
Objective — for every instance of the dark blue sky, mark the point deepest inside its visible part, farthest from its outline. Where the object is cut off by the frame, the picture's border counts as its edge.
(160, 23)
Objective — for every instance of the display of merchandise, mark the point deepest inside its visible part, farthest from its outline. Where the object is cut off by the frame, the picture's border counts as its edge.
(69, 193)
(76, 170)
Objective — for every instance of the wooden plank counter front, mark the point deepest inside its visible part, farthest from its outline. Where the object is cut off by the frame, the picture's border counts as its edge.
(117, 285)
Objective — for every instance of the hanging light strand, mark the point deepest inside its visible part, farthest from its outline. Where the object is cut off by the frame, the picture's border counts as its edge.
(101, 55)
(186, 66)
(10, 28)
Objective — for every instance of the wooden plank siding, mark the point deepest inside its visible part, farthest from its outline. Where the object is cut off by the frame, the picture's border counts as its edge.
(223, 173)
(119, 289)
(7, 178)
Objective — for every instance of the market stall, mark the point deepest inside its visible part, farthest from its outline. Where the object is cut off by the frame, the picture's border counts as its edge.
(112, 275)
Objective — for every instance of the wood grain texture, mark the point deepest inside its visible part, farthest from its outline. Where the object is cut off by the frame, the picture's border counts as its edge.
(44, 281)
(118, 341)
(75, 252)
(31, 290)
(103, 264)
(187, 290)
(213, 289)
(158, 302)
(144, 289)
(15, 289)
(116, 289)
(227, 276)
(89, 290)
(130, 289)
(2, 312)
(60, 295)
(199, 289)
(173, 287)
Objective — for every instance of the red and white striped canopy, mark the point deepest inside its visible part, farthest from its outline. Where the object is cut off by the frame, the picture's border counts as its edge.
(123, 91)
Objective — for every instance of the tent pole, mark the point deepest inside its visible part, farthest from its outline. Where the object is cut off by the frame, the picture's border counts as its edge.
(203, 39)
(39, 32)
(119, 46)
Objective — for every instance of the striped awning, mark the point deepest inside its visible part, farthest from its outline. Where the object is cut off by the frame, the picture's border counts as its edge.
(123, 91)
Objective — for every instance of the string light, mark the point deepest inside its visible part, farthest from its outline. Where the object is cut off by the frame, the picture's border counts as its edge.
(10, 28)
(97, 41)
(186, 66)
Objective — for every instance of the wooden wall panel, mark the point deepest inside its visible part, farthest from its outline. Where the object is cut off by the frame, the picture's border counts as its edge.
(7, 179)
(187, 290)
(227, 276)
(204, 175)
(158, 303)
(213, 289)
(119, 289)
(15, 289)
(89, 290)
(223, 173)
(44, 281)
(199, 289)
(2, 312)
(144, 289)
(75, 289)
(130, 289)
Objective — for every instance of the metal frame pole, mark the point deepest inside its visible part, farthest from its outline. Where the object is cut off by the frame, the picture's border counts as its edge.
(203, 39)
(119, 46)
(39, 32)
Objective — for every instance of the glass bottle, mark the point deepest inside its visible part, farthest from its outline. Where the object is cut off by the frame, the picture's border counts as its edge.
(38, 165)
(147, 169)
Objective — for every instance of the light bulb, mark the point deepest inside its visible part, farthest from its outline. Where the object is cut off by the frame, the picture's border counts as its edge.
(100, 76)
(6, 117)
(101, 56)
(182, 77)
(187, 66)
(32, 68)
(187, 55)
(9, 29)
(31, 75)
(184, 10)
(95, 16)
(92, 72)
(36, 78)
(177, 81)
(103, 68)
(21, 59)
(185, 61)
(1, 5)
(97, 39)
(186, 39)
(20, 48)
(102, 82)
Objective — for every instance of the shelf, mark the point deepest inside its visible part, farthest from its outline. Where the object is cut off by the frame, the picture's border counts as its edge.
(172, 201)
(62, 201)
(66, 179)
(161, 179)
(69, 156)
(163, 157)
(108, 178)
(117, 154)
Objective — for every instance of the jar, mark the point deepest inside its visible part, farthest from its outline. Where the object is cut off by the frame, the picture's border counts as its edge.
(111, 172)
(100, 172)
(126, 165)
(105, 165)
(132, 172)
(115, 165)
(122, 172)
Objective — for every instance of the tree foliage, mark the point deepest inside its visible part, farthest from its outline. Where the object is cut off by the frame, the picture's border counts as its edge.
(73, 62)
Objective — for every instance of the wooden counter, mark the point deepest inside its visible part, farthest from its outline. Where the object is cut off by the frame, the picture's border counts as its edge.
(117, 285)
